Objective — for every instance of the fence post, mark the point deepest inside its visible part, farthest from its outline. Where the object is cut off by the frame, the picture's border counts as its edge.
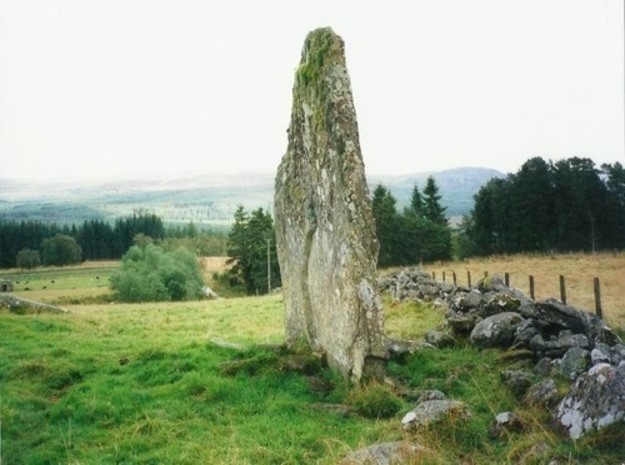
(469, 278)
(562, 290)
(507, 279)
(454, 275)
(598, 309)
(443, 276)
(433, 275)
(532, 288)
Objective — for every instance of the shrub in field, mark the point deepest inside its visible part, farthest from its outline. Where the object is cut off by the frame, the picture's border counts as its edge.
(60, 250)
(28, 259)
(150, 273)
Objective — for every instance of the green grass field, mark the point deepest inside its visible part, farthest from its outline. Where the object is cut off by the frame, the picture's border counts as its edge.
(201, 382)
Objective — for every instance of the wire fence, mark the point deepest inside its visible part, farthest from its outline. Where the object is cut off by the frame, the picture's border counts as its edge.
(468, 280)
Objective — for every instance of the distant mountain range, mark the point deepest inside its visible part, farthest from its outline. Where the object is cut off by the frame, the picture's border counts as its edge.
(208, 199)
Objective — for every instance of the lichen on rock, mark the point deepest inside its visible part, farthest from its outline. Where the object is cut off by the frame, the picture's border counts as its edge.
(326, 241)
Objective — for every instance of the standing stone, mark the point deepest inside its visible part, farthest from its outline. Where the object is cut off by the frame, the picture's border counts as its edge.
(326, 241)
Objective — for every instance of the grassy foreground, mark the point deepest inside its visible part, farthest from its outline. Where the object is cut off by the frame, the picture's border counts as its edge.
(147, 384)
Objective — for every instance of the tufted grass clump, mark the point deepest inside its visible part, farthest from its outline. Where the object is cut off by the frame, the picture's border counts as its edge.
(374, 400)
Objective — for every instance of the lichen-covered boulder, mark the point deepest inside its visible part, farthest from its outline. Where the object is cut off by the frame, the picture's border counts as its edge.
(574, 362)
(496, 330)
(440, 339)
(462, 323)
(21, 305)
(518, 381)
(491, 283)
(386, 453)
(432, 411)
(551, 312)
(596, 400)
(506, 422)
(326, 240)
(557, 347)
(544, 393)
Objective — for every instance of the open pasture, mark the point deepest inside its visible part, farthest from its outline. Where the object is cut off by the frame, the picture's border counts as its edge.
(145, 383)
(88, 281)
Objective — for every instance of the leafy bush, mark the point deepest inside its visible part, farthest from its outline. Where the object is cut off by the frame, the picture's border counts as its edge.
(60, 250)
(150, 273)
(28, 259)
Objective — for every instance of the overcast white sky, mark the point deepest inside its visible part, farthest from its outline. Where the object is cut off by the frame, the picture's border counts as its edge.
(108, 87)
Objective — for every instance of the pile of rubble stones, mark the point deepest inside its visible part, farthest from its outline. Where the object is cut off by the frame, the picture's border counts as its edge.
(558, 339)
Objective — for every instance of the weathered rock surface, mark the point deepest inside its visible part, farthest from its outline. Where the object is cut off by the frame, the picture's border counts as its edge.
(401, 347)
(386, 453)
(326, 241)
(597, 399)
(439, 339)
(557, 346)
(560, 340)
(544, 394)
(506, 422)
(496, 330)
(575, 362)
(21, 305)
(432, 411)
(518, 381)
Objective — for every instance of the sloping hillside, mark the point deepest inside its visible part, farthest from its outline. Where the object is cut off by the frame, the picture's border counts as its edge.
(208, 198)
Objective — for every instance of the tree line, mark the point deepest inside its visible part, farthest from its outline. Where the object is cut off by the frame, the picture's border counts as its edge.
(252, 252)
(419, 233)
(30, 243)
(567, 205)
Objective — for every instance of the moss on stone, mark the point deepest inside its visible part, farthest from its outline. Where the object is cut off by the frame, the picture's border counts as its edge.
(322, 50)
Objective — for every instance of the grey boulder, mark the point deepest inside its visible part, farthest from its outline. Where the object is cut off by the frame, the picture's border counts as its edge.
(596, 400)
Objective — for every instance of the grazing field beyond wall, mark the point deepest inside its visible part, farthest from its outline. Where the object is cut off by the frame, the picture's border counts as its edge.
(579, 271)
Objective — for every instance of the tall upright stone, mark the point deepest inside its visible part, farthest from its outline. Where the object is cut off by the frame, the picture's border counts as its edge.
(326, 239)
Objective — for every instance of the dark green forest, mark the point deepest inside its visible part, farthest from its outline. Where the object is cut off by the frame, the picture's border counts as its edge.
(420, 233)
(562, 206)
(34, 242)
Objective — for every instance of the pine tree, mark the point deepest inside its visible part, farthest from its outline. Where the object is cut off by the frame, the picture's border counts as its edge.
(387, 226)
(416, 201)
(616, 204)
(581, 203)
(248, 241)
(532, 211)
(432, 208)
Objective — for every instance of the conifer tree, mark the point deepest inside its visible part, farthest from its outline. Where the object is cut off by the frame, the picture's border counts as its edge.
(432, 208)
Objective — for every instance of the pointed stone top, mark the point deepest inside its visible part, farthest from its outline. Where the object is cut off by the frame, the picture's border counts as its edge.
(323, 50)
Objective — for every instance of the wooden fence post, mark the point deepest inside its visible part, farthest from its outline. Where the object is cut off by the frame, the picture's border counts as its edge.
(443, 276)
(454, 275)
(433, 275)
(598, 309)
(507, 279)
(562, 290)
(532, 288)
(468, 278)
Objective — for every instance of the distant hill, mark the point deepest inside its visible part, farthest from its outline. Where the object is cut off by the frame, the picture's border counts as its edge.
(209, 199)
(457, 186)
